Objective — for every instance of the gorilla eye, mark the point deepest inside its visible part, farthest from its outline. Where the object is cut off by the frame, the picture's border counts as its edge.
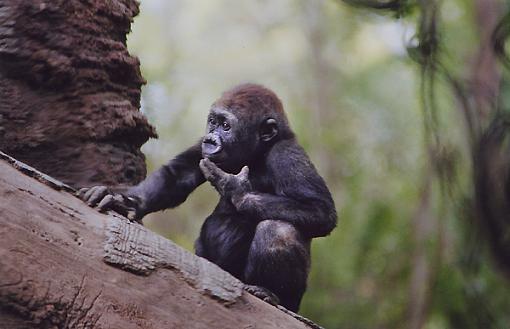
(225, 125)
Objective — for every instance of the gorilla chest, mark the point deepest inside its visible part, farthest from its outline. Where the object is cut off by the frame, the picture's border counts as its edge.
(262, 183)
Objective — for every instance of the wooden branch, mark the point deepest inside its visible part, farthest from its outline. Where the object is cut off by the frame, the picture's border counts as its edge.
(55, 253)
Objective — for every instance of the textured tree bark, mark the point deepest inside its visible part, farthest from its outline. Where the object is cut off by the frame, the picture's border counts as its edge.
(55, 257)
(70, 91)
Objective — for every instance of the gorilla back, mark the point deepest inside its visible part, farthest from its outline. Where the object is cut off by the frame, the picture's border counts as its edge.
(272, 200)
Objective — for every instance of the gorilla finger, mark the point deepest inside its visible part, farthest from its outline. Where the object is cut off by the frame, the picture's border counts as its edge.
(213, 178)
(81, 192)
(215, 172)
(119, 205)
(263, 293)
(212, 166)
(106, 203)
(132, 216)
(207, 162)
(115, 203)
(204, 168)
(243, 174)
(97, 195)
(208, 173)
(89, 193)
(120, 208)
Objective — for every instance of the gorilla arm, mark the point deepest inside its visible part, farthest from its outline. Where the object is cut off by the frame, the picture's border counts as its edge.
(301, 197)
(314, 217)
(167, 187)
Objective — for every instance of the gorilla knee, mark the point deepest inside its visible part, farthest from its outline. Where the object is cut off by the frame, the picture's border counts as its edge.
(274, 236)
(279, 260)
(281, 241)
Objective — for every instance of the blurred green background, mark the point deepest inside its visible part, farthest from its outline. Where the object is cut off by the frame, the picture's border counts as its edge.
(402, 255)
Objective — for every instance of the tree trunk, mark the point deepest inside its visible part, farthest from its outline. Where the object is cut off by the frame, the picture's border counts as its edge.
(491, 153)
(486, 75)
(424, 227)
(54, 272)
(70, 91)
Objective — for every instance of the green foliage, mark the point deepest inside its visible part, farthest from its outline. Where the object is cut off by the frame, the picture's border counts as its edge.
(352, 93)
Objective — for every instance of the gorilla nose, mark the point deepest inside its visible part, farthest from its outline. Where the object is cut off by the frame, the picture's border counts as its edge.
(211, 145)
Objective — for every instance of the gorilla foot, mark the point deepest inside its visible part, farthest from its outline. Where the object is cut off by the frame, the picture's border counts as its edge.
(262, 293)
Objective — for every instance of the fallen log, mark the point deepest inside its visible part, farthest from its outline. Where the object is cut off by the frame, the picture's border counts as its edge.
(65, 265)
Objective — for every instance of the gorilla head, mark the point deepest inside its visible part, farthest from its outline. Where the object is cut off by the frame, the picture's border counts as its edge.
(242, 124)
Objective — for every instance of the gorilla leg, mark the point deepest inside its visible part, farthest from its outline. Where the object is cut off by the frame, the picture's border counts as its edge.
(279, 260)
(225, 241)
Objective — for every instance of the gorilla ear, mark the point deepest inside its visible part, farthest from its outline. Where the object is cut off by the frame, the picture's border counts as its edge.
(268, 130)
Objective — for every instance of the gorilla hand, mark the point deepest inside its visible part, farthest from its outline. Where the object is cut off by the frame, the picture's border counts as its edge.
(228, 185)
(104, 199)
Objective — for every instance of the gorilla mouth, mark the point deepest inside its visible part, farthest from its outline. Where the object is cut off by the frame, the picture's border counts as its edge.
(211, 147)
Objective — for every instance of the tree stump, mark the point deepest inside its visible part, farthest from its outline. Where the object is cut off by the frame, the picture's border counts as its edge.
(70, 91)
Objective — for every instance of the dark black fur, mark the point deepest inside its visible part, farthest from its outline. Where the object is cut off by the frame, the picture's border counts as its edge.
(261, 229)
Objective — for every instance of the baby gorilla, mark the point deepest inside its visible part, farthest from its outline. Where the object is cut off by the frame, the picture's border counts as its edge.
(267, 214)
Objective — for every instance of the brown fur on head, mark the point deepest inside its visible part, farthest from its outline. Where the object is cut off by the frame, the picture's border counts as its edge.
(251, 101)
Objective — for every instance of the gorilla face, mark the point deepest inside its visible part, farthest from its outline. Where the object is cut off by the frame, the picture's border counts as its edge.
(232, 142)
(228, 142)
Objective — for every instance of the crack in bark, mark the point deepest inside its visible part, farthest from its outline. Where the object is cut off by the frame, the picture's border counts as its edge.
(47, 311)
